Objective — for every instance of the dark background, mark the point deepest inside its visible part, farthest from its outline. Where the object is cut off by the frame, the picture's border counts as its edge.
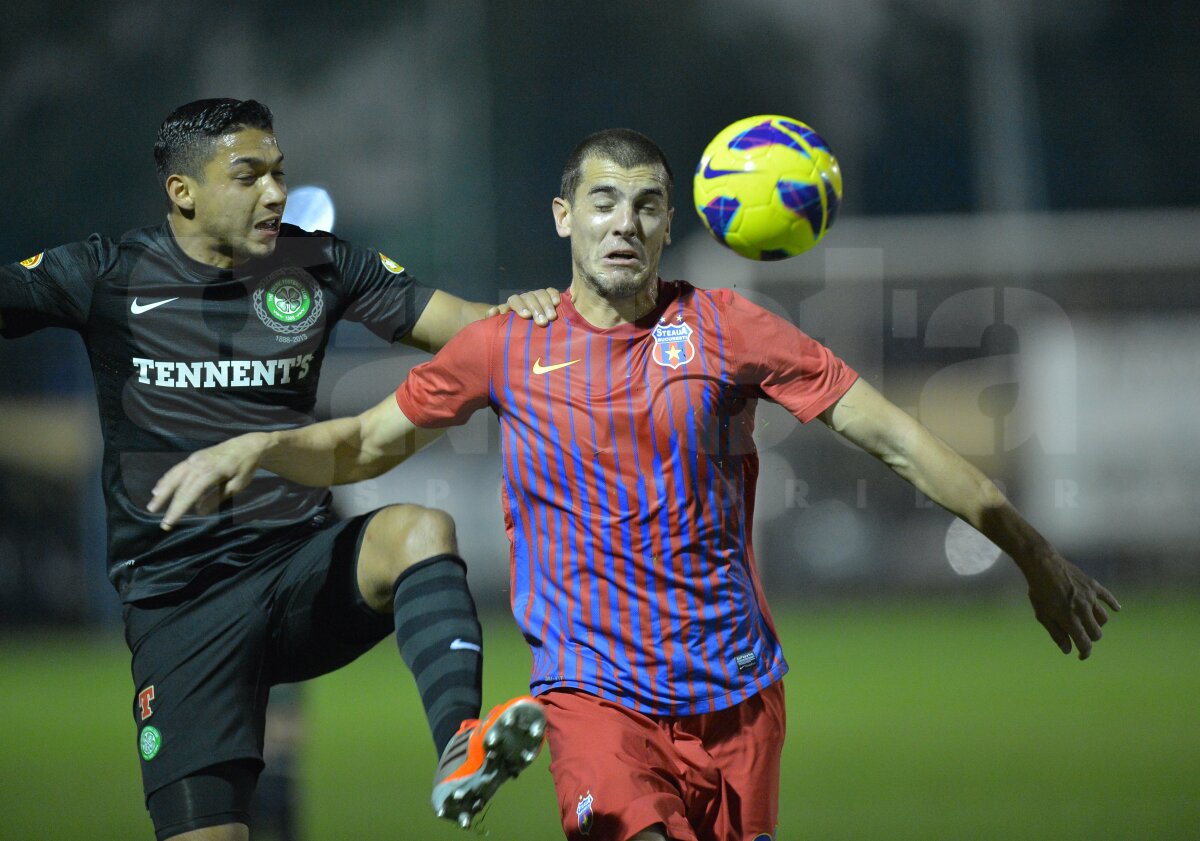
(988, 150)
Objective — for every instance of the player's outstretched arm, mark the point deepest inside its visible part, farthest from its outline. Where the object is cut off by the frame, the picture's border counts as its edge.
(445, 315)
(334, 452)
(1068, 602)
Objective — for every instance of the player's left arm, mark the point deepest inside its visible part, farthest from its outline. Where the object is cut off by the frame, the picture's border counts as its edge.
(446, 314)
(1067, 601)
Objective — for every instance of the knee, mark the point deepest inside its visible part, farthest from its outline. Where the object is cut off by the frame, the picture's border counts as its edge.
(431, 533)
(398, 537)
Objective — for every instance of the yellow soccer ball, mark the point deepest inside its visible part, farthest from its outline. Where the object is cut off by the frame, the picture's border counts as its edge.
(767, 187)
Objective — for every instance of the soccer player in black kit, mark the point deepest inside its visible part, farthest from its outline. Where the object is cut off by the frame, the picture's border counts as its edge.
(216, 323)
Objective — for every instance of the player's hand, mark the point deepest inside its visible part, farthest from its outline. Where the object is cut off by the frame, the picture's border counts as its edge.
(1069, 603)
(538, 304)
(206, 477)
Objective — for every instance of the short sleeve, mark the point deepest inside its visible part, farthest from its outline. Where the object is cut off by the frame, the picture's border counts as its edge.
(448, 389)
(777, 360)
(381, 295)
(53, 288)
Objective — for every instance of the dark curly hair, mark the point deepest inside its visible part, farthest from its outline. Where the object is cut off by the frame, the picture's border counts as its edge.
(187, 138)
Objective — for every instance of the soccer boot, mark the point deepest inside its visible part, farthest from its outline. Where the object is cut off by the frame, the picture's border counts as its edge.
(483, 754)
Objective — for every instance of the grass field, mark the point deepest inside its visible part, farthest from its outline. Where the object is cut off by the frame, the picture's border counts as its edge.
(907, 720)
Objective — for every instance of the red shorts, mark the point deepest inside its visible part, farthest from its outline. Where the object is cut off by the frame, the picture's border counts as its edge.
(713, 776)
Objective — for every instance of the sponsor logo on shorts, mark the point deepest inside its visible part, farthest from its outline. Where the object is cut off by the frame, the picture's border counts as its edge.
(34, 261)
(390, 264)
(583, 813)
(144, 698)
(149, 742)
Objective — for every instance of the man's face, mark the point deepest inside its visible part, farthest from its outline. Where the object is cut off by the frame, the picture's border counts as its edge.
(237, 207)
(619, 221)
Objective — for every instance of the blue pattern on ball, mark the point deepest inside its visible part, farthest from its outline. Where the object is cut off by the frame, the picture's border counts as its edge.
(719, 214)
(803, 199)
(810, 137)
(772, 254)
(765, 134)
(832, 201)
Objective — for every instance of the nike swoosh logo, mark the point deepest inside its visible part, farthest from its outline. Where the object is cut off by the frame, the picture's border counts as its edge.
(709, 172)
(539, 368)
(138, 309)
(459, 644)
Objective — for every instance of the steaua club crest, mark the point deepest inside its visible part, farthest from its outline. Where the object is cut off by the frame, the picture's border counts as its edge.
(673, 343)
(34, 261)
(288, 301)
(583, 813)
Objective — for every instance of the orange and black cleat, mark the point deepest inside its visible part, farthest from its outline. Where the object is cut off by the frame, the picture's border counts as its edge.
(483, 754)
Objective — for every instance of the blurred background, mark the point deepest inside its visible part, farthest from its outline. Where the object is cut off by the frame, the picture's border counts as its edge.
(1016, 264)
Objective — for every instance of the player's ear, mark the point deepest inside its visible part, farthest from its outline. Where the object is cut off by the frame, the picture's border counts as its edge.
(562, 216)
(179, 191)
(670, 216)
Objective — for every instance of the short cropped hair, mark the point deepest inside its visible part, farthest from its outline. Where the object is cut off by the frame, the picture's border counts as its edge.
(188, 137)
(624, 147)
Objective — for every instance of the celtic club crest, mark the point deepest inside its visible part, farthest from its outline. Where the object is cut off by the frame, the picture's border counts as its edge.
(288, 301)
(149, 742)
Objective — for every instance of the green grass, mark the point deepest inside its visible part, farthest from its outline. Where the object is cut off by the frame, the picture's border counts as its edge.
(919, 720)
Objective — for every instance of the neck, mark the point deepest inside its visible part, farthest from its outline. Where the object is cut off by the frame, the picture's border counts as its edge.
(200, 248)
(603, 312)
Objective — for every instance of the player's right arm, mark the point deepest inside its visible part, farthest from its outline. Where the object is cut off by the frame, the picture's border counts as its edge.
(442, 392)
(333, 452)
(53, 288)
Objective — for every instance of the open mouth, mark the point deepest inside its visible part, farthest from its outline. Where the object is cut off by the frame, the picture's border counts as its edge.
(270, 226)
(623, 257)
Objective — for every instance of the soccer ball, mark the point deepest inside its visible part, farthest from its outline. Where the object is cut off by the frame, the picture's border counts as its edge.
(767, 187)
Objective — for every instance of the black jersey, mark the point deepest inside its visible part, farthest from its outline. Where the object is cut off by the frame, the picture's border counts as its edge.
(185, 355)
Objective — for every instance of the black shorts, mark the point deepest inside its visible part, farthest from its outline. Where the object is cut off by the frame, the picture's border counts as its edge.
(204, 662)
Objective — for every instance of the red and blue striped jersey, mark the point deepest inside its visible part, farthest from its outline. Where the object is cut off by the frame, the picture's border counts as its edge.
(629, 473)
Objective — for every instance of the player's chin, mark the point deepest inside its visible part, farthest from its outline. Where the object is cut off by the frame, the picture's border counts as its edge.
(261, 244)
(621, 281)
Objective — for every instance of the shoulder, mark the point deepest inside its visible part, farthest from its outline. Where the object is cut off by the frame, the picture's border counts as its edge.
(725, 302)
(475, 342)
(355, 263)
(133, 245)
(489, 328)
(299, 247)
(94, 256)
(686, 291)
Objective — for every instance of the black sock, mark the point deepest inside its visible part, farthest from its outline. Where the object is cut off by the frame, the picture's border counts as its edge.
(441, 641)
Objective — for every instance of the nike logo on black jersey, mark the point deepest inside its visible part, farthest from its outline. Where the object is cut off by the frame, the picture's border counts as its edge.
(138, 309)
(459, 644)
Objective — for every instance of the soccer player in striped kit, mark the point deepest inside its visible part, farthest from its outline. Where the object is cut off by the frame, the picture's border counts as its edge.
(629, 479)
